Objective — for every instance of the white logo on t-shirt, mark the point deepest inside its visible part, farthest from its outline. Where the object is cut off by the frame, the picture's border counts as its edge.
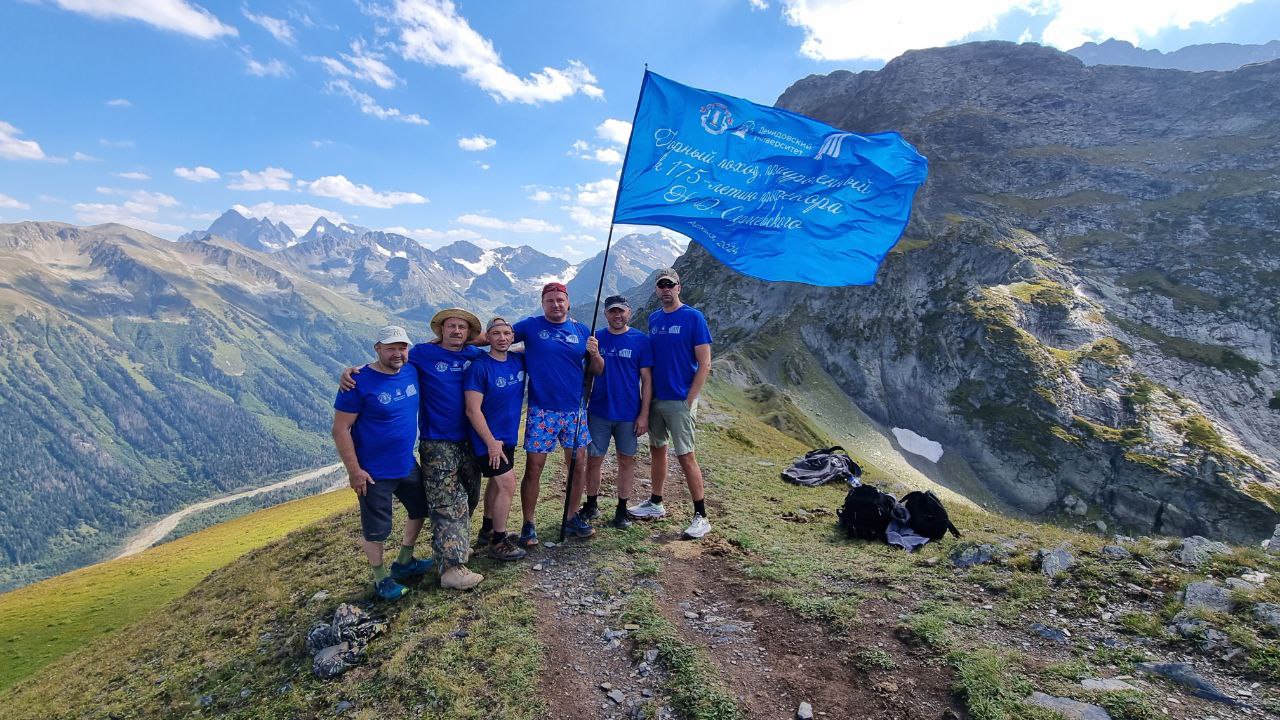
(384, 398)
(674, 330)
(544, 334)
(500, 382)
(571, 339)
(520, 376)
(442, 366)
(624, 352)
(411, 391)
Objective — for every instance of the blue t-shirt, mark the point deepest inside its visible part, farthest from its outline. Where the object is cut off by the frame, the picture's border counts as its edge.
(387, 427)
(440, 374)
(554, 356)
(674, 335)
(502, 383)
(616, 394)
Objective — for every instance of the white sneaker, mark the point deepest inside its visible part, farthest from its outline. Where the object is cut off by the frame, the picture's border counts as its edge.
(647, 510)
(699, 527)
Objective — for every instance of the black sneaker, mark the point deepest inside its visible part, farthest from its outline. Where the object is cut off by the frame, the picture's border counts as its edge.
(506, 550)
(589, 512)
(621, 522)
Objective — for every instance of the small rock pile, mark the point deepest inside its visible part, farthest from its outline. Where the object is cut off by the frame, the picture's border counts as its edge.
(339, 645)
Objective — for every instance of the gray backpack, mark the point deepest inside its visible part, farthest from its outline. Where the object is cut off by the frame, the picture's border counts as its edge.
(822, 466)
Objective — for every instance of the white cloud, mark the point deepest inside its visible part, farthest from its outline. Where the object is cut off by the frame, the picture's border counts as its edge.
(484, 166)
(592, 219)
(476, 143)
(523, 225)
(272, 178)
(175, 15)
(433, 33)
(132, 175)
(124, 144)
(11, 148)
(839, 30)
(758, 5)
(82, 157)
(546, 193)
(432, 237)
(298, 217)
(8, 202)
(361, 64)
(139, 210)
(198, 173)
(279, 29)
(608, 156)
(205, 216)
(340, 188)
(119, 102)
(593, 203)
(584, 150)
(598, 193)
(614, 131)
(270, 68)
(369, 106)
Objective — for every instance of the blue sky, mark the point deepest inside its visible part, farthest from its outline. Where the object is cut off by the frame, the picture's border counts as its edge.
(496, 122)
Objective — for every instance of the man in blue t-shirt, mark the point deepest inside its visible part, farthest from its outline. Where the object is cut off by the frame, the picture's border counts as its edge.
(555, 347)
(681, 344)
(619, 407)
(375, 425)
(449, 477)
(494, 394)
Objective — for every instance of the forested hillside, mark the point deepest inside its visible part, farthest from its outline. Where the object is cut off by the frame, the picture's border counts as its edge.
(139, 375)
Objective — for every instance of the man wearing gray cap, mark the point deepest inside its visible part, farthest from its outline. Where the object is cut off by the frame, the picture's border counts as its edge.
(681, 344)
(375, 425)
(619, 406)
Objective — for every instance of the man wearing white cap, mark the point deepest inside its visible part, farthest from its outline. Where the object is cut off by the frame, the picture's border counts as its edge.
(449, 476)
(374, 427)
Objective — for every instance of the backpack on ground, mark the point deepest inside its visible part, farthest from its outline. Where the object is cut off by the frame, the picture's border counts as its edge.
(866, 513)
(928, 517)
(822, 466)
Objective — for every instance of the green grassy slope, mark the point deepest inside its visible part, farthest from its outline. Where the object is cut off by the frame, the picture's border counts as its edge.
(44, 621)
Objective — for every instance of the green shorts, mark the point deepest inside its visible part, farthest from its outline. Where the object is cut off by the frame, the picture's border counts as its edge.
(672, 420)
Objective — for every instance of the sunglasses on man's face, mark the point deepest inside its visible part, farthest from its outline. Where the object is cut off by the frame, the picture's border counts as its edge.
(665, 284)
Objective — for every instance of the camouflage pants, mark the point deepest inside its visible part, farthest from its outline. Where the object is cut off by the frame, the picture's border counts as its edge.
(452, 487)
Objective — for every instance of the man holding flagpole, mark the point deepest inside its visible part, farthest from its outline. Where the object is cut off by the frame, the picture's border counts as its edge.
(681, 345)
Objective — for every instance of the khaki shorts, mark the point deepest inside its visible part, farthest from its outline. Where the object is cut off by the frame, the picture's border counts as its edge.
(673, 420)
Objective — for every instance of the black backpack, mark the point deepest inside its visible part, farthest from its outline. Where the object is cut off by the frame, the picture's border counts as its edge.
(822, 466)
(928, 516)
(866, 513)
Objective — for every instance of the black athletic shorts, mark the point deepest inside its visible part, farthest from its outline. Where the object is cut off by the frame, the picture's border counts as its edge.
(508, 462)
(375, 504)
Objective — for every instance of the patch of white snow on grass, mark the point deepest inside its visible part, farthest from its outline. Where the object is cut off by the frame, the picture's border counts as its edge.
(918, 444)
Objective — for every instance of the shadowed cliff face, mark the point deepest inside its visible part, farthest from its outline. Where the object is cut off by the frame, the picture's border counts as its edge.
(1086, 300)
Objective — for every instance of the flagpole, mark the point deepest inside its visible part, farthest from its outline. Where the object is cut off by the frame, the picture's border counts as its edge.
(587, 377)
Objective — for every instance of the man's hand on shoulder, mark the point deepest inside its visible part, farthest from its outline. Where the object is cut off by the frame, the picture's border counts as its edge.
(348, 380)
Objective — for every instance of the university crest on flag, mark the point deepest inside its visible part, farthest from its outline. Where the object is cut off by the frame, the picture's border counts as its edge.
(770, 193)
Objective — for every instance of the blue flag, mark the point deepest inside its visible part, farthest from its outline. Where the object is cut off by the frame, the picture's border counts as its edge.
(768, 192)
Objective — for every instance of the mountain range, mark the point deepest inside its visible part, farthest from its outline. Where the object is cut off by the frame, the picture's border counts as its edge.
(410, 281)
(1197, 58)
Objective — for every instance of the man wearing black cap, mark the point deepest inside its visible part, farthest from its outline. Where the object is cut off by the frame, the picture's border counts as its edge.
(681, 343)
(619, 407)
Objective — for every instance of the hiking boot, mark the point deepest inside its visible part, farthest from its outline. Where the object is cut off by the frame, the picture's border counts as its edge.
(459, 577)
(388, 589)
(578, 528)
(620, 522)
(506, 550)
(647, 510)
(699, 527)
(589, 512)
(412, 569)
(484, 538)
(528, 536)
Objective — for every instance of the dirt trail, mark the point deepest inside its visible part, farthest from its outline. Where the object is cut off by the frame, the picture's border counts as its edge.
(154, 533)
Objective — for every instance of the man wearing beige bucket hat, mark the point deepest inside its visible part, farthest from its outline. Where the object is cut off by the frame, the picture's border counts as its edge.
(449, 476)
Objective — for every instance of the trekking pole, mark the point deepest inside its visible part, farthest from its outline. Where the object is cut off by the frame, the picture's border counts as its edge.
(595, 315)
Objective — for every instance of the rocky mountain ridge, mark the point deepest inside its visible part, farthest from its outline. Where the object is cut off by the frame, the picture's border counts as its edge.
(1197, 58)
(1084, 306)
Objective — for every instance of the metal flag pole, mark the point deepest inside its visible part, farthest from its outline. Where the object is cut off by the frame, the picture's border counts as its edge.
(587, 377)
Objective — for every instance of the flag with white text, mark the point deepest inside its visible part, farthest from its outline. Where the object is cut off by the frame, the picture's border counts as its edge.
(770, 193)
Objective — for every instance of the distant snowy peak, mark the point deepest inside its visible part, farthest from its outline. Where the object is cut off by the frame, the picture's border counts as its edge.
(344, 231)
(254, 233)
